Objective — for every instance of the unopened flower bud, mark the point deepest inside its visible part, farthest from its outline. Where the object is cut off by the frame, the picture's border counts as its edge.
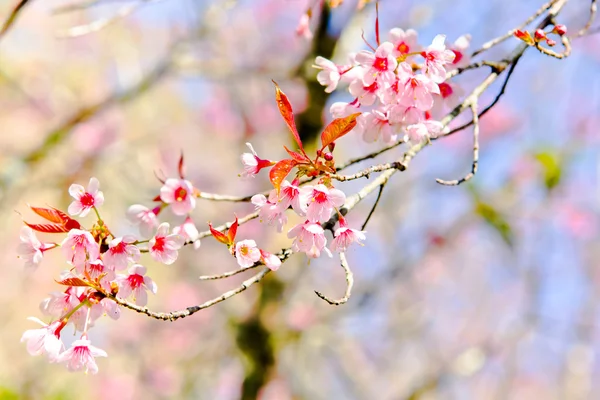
(328, 156)
(551, 42)
(560, 29)
(539, 35)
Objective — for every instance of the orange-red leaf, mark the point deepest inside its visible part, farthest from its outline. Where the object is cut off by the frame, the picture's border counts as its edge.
(73, 281)
(232, 231)
(300, 158)
(49, 214)
(181, 167)
(338, 128)
(48, 228)
(220, 236)
(280, 171)
(285, 108)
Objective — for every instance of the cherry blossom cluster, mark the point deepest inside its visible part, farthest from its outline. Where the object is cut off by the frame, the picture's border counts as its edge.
(400, 87)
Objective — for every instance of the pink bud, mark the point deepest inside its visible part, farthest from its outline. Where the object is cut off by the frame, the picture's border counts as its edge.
(539, 35)
(560, 29)
(550, 42)
(328, 156)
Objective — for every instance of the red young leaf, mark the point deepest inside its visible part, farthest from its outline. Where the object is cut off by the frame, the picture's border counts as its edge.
(47, 228)
(180, 167)
(73, 281)
(300, 158)
(49, 214)
(285, 108)
(280, 171)
(338, 128)
(157, 198)
(220, 236)
(233, 231)
(68, 222)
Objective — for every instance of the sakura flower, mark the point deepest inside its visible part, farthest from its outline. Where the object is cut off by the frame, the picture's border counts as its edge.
(423, 131)
(290, 196)
(85, 200)
(246, 253)
(270, 260)
(436, 56)
(269, 211)
(380, 66)
(321, 201)
(163, 247)
(97, 270)
(366, 95)
(79, 246)
(309, 237)
(252, 163)
(416, 89)
(144, 217)
(303, 28)
(340, 109)
(459, 48)
(329, 75)
(45, 340)
(30, 249)
(404, 42)
(374, 125)
(188, 232)
(179, 194)
(121, 251)
(60, 303)
(345, 236)
(137, 284)
(81, 355)
(399, 113)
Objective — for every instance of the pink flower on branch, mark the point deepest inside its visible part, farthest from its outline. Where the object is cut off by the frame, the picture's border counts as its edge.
(45, 340)
(271, 260)
(81, 355)
(290, 196)
(79, 247)
(136, 283)
(188, 232)
(436, 56)
(85, 200)
(380, 66)
(163, 247)
(309, 238)
(253, 164)
(345, 236)
(415, 90)
(404, 42)
(121, 251)
(269, 211)
(247, 253)
(374, 125)
(144, 217)
(321, 201)
(31, 249)
(330, 73)
(179, 194)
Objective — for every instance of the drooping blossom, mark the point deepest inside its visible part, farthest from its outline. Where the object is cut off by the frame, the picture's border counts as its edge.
(417, 89)
(188, 232)
(121, 251)
(85, 200)
(30, 249)
(81, 355)
(423, 131)
(436, 56)
(309, 238)
(45, 340)
(459, 48)
(271, 260)
(269, 212)
(374, 125)
(404, 42)
(163, 247)
(252, 163)
(303, 28)
(321, 201)
(144, 217)
(380, 66)
(79, 246)
(329, 75)
(344, 237)
(136, 284)
(246, 253)
(179, 194)
(60, 303)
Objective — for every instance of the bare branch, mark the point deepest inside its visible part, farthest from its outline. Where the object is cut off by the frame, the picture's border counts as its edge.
(364, 225)
(349, 284)
(12, 17)
(593, 11)
(475, 152)
(98, 24)
(228, 274)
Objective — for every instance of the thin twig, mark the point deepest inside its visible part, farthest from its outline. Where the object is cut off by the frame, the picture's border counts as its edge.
(586, 28)
(367, 172)
(349, 284)
(228, 274)
(95, 26)
(12, 17)
(374, 154)
(364, 225)
(475, 152)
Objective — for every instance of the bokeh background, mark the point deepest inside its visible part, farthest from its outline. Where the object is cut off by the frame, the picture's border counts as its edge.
(484, 291)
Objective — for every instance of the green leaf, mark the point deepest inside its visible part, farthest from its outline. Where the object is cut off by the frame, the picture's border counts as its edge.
(552, 168)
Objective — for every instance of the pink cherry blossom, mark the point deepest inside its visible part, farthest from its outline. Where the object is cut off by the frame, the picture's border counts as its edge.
(303, 28)
(45, 340)
(144, 217)
(85, 200)
(341, 109)
(423, 131)
(96, 269)
(121, 251)
(81, 355)
(459, 48)
(136, 283)
(309, 237)
(290, 196)
(374, 125)
(345, 236)
(436, 56)
(163, 247)
(321, 201)
(252, 163)
(79, 246)
(271, 260)
(416, 90)
(269, 211)
(404, 42)
(60, 303)
(30, 249)
(401, 114)
(179, 194)
(366, 95)
(188, 232)
(380, 66)
(246, 253)
(329, 75)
